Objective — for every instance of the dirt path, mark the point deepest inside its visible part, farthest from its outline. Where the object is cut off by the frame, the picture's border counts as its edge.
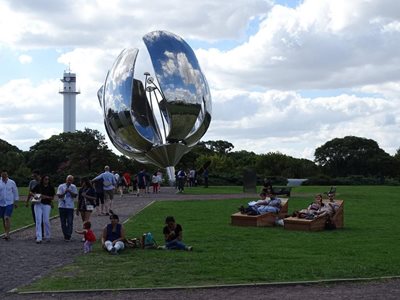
(21, 261)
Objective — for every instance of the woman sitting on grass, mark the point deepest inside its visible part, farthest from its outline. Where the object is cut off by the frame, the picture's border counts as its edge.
(173, 236)
(113, 236)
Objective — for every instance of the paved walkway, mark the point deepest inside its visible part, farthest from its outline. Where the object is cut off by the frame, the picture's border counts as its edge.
(23, 261)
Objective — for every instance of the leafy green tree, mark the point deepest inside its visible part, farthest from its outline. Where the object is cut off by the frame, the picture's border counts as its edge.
(12, 159)
(273, 164)
(397, 155)
(6, 147)
(79, 153)
(353, 155)
(88, 152)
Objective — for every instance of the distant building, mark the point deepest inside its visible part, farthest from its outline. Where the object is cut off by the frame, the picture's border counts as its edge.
(69, 93)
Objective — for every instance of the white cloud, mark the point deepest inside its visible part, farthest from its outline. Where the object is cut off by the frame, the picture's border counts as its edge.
(25, 59)
(116, 24)
(286, 122)
(392, 27)
(320, 44)
(349, 48)
(390, 90)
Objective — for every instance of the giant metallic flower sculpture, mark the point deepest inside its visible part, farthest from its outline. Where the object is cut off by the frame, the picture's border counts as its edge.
(159, 119)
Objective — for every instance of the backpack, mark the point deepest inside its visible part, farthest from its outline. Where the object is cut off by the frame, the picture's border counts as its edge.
(329, 224)
(148, 241)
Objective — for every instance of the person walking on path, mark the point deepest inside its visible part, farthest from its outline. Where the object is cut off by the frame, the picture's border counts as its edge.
(45, 191)
(192, 177)
(86, 200)
(34, 182)
(181, 178)
(116, 176)
(8, 197)
(121, 185)
(109, 184)
(98, 186)
(66, 193)
(155, 183)
(205, 175)
(127, 177)
(160, 179)
(141, 180)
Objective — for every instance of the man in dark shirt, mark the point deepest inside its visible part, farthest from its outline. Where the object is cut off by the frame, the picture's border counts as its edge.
(141, 176)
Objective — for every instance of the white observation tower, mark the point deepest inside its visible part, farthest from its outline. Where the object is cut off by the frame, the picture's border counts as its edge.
(69, 92)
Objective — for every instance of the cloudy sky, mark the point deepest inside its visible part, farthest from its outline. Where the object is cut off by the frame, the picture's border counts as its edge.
(284, 75)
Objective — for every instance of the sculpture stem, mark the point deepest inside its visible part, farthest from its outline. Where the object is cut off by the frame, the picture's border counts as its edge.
(171, 175)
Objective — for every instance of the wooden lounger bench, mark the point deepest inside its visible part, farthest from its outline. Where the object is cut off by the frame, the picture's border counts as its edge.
(294, 223)
(264, 220)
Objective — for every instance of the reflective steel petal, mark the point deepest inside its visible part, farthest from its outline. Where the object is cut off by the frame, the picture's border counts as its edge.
(157, 119)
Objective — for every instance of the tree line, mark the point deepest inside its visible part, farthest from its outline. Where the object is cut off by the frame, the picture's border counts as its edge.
(345, 160)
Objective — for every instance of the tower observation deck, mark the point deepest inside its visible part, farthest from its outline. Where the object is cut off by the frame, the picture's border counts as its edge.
(69, 93)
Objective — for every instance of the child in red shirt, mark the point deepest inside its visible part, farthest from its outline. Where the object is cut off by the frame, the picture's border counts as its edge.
(90, 238)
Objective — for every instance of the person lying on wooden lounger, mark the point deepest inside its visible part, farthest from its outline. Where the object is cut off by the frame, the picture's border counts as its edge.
(317, 209)
(311, 211)
(262, 206)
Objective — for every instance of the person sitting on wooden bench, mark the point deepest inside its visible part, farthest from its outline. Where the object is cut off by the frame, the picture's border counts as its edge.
(311, 211)
(317, 209)
(331, 198)
(263, 205)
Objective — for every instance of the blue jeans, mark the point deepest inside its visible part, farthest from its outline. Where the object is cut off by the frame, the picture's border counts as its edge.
(175, 244)
(67, 221)
(266, 208)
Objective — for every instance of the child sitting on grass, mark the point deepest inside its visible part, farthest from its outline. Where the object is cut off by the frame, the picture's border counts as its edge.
(89, 236)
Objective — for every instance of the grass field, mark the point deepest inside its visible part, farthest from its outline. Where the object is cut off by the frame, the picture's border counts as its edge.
(368, 246)
(22, 216)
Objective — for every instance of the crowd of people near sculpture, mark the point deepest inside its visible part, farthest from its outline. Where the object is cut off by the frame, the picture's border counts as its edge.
(94, 196)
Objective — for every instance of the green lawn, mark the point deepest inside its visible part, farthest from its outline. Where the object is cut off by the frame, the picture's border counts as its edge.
(201, 190)
(368, 246)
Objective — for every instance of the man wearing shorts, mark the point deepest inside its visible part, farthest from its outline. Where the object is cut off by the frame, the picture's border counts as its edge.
(8, 197)
(109, 185)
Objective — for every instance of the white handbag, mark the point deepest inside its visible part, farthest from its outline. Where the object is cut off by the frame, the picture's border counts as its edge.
(37, 198)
